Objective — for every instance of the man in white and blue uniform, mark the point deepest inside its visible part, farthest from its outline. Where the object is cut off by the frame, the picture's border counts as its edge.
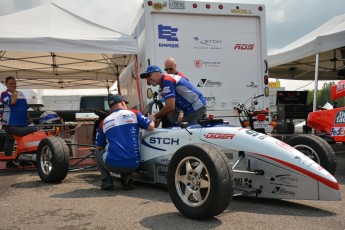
(181, 97)
(15, 114)
(117, 142)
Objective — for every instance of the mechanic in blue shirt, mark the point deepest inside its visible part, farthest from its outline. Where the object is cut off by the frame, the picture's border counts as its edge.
(183, 101)
(117, 142)
(15, 114)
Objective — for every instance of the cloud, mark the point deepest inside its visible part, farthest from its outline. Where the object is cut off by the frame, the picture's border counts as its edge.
(278, 16)
(7, 6)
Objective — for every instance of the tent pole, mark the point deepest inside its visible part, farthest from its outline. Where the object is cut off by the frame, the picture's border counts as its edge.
(317, 56)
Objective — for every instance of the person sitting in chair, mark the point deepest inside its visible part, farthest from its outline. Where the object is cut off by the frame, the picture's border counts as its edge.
(15, 115)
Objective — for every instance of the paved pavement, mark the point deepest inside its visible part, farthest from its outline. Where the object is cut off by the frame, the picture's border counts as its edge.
(77, 203)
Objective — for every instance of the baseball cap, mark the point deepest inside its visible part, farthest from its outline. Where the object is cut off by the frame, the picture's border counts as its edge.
(150, 69)
(114, 99)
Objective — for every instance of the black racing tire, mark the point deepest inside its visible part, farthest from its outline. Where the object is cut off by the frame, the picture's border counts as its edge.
(200, 181)
(317, 149)
(52, 159)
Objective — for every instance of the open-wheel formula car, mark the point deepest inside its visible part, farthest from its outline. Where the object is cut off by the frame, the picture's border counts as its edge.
(52, 155)
(203, 165)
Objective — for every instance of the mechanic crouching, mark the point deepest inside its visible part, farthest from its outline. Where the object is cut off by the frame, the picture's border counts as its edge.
(117, 142)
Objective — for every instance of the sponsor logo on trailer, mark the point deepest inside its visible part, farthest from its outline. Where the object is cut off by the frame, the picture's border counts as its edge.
(197, 63)
(244, 47)
(168, 34)
(219, 136)
(159, 6)
(241, 11)
(252, 85)
(176, 4)
(200, 63)
(340, 117)
(210, 99)
(209, 83)
(207, 43)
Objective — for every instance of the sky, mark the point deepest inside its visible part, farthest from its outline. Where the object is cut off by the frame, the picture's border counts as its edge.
(286, 20)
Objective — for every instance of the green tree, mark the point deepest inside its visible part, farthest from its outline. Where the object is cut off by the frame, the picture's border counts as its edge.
(324, 96)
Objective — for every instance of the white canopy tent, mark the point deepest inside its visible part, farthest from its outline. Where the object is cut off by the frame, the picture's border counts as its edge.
(298, 59)
(319, 55)
(48, 47)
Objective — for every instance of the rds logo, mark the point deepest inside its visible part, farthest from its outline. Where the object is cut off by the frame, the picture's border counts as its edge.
(244, 47)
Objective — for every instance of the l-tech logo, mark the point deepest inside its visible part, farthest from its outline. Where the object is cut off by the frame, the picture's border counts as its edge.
(169, 34)
(207, 43)
(209, 83)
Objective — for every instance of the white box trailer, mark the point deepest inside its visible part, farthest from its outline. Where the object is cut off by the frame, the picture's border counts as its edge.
(220, 47)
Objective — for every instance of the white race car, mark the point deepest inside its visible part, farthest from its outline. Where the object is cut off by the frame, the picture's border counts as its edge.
(204, 165)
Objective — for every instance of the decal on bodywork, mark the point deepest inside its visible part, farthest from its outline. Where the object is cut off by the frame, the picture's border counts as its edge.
(219, 135)
(283, 192)
(321, 179)
(284, 145)
(284, 180)
(338, 131)
(149, 136)
(253, 133)
(340, 117)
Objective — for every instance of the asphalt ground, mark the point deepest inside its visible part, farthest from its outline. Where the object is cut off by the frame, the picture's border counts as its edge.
(78, 203)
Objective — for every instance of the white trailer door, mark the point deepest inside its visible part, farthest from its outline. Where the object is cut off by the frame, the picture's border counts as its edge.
(221, 55)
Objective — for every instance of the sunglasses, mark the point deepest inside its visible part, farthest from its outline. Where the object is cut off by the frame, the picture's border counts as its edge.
(168, 69)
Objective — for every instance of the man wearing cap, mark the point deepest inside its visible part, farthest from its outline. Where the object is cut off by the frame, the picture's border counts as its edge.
(179, 94)
(117, 142)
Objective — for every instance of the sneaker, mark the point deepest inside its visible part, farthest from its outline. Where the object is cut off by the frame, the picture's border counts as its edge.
(127, 183)
(107, 184)
(11, 165)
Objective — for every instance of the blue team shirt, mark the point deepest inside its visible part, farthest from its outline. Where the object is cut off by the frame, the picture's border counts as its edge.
(119, 134)
(16, 114)
(187, 97)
